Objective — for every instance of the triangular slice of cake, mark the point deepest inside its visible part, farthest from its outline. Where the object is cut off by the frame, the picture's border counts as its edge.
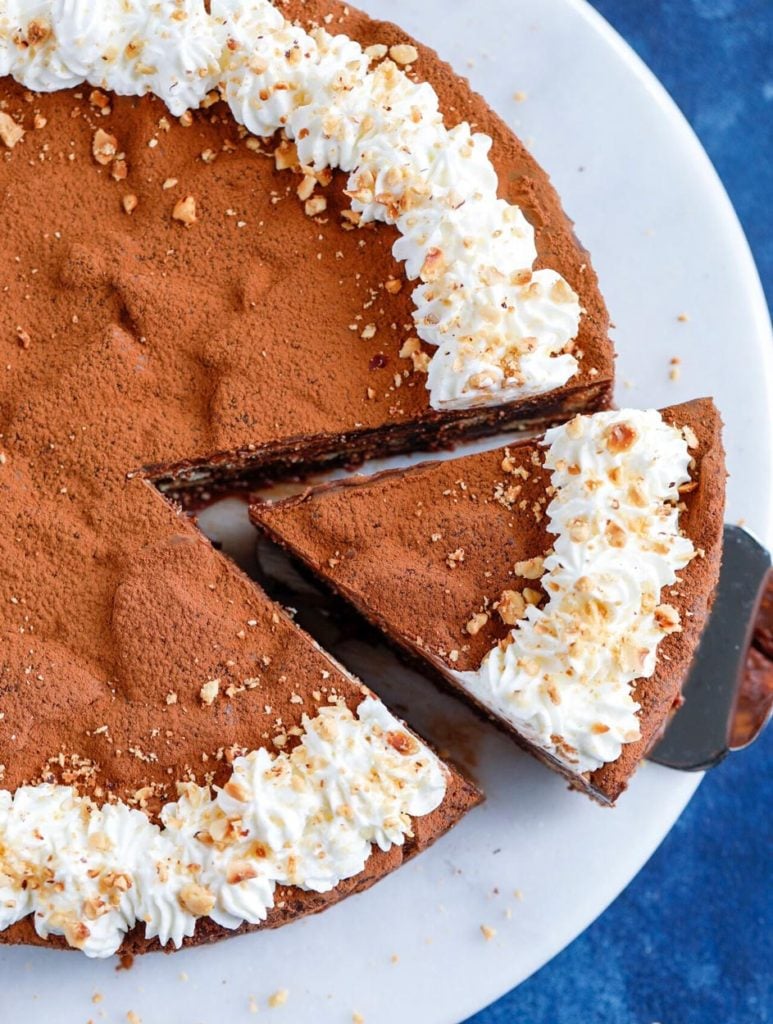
(560, 584)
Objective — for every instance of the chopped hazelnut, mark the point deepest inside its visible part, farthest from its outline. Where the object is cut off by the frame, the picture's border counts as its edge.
(99, 99)
(240, 871)
(315, 206)
(433, 266)
(10, 131)
(511, 607)
(185, 211)
(476, 623)
(667, 618)
(209, 691)
(306, 187)
(376, 52)
(129, 202)
(561, 292)
(104, 147)
(530, 568)
(279, 998)
(454, 558)
(402, 742)
(196, 899)
(620, 437)
(615, 535)
(403, 53)
(285, 155)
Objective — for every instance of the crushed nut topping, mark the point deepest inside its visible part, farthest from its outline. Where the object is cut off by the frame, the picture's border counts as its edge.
(10, 132)
(185, 211)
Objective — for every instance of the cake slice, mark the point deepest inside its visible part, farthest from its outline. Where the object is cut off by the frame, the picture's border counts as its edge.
(559, 584)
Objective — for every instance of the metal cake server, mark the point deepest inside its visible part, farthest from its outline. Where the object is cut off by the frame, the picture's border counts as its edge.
(701, 733)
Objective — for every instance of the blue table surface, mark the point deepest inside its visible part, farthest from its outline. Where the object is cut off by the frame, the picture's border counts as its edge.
(689, 941)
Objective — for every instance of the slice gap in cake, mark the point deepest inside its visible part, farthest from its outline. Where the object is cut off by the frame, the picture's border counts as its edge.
(559, 584)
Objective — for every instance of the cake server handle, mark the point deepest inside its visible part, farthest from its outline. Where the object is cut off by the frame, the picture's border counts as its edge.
(724, 710)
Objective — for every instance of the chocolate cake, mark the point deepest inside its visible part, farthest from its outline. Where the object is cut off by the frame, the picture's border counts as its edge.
(491, 569)
(189, 296)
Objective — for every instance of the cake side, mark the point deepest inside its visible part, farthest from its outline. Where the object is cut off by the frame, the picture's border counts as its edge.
(436, 556)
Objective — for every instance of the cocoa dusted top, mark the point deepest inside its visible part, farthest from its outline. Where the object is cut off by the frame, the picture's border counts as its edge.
(143, 323)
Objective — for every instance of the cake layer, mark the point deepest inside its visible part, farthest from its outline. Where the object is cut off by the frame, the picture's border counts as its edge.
(445, 558)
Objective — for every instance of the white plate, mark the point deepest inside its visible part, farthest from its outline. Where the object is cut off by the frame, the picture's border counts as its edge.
(665, 241)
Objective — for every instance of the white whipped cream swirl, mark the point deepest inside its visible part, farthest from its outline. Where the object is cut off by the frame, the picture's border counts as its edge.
(564, 675)
(502, 331)
(308, 819)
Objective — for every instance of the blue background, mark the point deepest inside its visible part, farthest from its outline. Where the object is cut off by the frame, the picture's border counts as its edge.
(689, 941)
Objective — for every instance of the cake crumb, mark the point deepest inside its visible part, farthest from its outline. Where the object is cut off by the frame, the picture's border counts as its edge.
(279, 998)
(683, 318)
(133, 1018)
(97, 997)
(357, 1018)
(519, 96)
(252, 1005)
(487, 932)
